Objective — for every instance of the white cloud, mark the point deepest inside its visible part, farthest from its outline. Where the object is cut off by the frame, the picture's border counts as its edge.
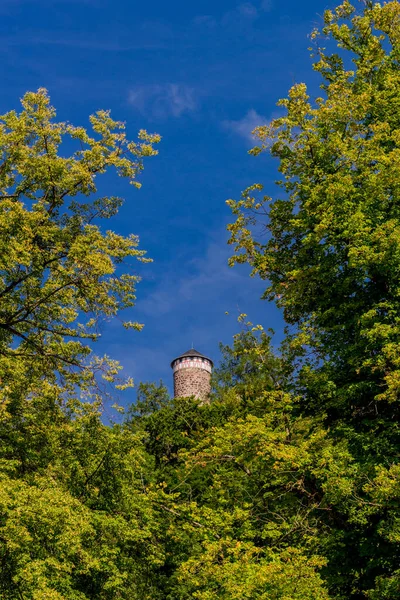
(266, 5)
(161, 101)
(204, 277)
(240, 18)
(205, 21)
(246, 125)
(247, 9)
(85, 43)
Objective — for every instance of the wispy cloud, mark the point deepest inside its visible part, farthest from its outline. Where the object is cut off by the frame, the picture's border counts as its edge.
(206, 21)
(266, 5)
(79, 42)
(204, 278)
(241, 17)
(161, 101)
(247, 9)
(242, 14)
(246, 125)
(44, 2)
(9, 5)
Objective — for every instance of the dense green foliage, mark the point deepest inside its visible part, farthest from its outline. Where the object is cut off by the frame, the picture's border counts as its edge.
(332, 261)
(72, 524)
(286, 486)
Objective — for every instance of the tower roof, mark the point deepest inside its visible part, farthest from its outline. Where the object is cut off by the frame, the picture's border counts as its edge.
(192, 353)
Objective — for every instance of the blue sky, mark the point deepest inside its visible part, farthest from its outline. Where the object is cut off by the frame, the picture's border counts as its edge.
(202, 74)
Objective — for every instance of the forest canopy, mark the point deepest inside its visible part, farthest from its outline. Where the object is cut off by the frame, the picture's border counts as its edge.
(285, 485)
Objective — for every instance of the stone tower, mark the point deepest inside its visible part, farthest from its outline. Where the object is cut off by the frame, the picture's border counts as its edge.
(192, 375)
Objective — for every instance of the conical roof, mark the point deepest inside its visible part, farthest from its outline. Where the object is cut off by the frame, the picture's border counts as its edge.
(192, 353)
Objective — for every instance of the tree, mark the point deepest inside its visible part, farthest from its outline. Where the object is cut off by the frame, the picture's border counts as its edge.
(76, 521)
(59, 272)
(332, 253)
(241, 514)
(250, 366)
(331, 258)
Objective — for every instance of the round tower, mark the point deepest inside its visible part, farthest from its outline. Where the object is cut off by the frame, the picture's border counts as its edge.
(192, 375)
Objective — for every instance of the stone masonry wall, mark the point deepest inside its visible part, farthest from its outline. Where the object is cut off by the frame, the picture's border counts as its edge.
(192, 382)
